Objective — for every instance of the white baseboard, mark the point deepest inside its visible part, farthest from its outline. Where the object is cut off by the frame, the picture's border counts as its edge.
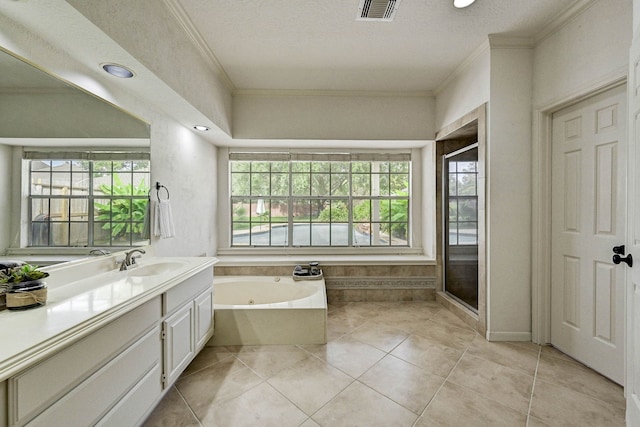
(508, 336)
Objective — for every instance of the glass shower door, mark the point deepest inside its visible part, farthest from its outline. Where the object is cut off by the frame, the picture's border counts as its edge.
(460, 191)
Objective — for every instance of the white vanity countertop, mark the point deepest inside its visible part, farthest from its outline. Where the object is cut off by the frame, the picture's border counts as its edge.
(77, 306)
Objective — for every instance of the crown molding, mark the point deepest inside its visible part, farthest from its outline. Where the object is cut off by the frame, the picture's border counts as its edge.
(199, 42)
(469, 60)
(333, 93)
(563, 18)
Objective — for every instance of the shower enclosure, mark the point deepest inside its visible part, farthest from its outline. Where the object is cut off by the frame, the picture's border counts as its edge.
(460, 216)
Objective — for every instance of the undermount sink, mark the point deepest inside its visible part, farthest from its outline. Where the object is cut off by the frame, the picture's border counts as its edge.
(154, 269)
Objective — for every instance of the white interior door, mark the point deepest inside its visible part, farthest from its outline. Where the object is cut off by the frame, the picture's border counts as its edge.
(632, 385)
(588, 220)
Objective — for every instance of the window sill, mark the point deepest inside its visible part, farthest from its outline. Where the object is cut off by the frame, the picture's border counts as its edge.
(273, 260)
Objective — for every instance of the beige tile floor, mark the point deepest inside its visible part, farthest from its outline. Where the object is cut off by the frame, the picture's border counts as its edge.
(390, 364)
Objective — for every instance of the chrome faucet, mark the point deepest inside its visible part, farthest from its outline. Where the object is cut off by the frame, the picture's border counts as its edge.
(99, 251)
(129, 259)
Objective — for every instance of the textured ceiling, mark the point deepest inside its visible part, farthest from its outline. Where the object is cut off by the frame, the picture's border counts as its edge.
(319, 45)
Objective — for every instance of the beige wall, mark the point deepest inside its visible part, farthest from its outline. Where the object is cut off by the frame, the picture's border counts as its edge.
(333, 116)
(590, 48)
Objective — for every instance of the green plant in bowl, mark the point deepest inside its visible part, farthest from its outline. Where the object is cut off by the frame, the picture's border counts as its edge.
(22, 273)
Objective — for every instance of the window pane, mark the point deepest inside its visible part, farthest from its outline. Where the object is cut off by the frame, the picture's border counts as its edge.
(80, 184)
(361, 167)
(279, 184)
(301, 210)
(301, 166)
(260, 184)
(361, 185)
(79, 233)
(279, 210)
(301, 185)
(399, 184)
(468, 233)
(340, 167)
(240, 210)
(453, 210)
(468, 210)
(399, 167)
(362, 210)
(102, 184)
(240, 184)
(467, 184)
(260, 210)
(362, 234)
(320, 185)
(280, 167)
(237, 166)
(39, 209)
(79, 210)
(59, 234)
(260, 167)
(320, 166)
(339, 185)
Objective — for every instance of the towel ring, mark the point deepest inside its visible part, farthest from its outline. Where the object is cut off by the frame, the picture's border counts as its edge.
(158, 187)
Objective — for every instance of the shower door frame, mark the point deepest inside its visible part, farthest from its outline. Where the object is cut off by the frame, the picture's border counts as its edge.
(445, 225)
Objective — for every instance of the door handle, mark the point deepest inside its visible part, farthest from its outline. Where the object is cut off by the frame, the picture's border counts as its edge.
(617, 259)
(618, 250)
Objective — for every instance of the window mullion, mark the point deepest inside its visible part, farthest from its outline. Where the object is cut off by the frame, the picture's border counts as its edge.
(90, 216)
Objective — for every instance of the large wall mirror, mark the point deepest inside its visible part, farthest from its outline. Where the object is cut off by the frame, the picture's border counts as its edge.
(85, 171)
(35, 104)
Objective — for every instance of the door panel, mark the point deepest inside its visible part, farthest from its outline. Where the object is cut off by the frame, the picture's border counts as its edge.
(632, 386)
(588, 219)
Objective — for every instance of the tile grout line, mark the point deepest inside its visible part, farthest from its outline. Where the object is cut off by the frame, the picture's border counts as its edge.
(533, 386)
(442, 385)
(188, 406)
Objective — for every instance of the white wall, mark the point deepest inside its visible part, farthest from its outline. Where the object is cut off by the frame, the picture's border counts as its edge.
(593, 47)
(140, 27)
(186, 165)
(182, 159)
(509, 195)
(466, 89)
(333, 116)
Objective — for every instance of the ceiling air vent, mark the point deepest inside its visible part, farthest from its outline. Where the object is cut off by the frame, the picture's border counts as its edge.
(377, 10)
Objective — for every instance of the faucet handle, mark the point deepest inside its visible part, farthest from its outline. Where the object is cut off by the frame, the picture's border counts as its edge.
(133, 259)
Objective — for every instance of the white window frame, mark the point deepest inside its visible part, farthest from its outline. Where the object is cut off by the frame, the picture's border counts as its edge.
(422, 210)
(20, 221)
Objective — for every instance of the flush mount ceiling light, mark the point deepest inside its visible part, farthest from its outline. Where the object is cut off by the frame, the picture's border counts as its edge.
(118, 70)
(462, 3)
(201, 128)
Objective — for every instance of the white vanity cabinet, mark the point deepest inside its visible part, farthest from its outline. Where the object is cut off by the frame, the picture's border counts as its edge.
(189, 323)
(115, 375)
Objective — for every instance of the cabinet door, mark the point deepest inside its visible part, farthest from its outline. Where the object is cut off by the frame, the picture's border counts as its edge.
(204, 318)
(179, 342)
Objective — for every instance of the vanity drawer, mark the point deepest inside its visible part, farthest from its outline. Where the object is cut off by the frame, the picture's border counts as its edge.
(36, 388)
(94, 397)
(187, 290)
(137, 403)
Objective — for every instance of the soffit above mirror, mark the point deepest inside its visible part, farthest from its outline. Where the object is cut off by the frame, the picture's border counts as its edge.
(35, 104)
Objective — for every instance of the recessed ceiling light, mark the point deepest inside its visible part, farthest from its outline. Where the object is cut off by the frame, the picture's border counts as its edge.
(462, 3)
(201, 128)
(118, 70)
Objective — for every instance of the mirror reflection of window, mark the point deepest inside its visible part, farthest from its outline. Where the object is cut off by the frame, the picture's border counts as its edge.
(99, 202)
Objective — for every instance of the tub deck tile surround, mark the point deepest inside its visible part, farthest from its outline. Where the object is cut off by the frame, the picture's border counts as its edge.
(353, 283)
(404, 375)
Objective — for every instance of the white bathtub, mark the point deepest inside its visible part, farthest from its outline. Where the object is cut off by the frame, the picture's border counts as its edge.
(250, 310)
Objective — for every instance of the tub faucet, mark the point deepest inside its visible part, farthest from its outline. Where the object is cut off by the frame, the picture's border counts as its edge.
(130, 259)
